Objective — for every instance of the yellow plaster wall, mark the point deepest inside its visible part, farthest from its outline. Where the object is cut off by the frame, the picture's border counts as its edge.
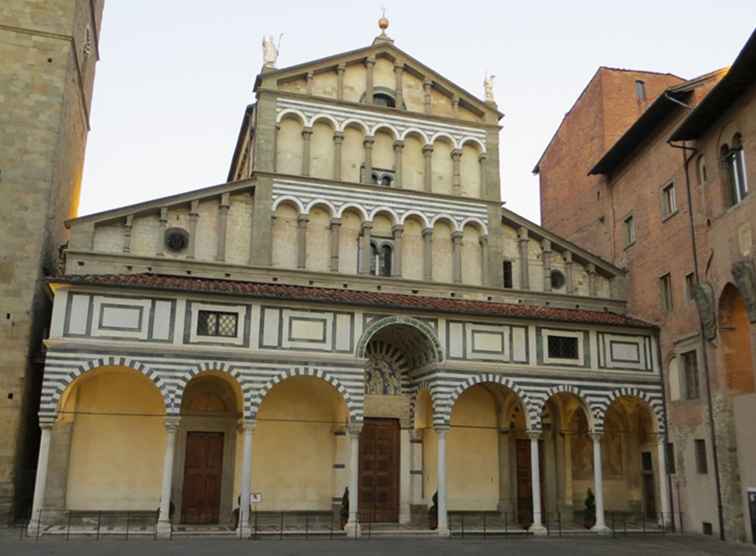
(116, 461)
(289, 146)
(442, 252)
(472, 263)
(441, 165)
(354, 82)
(413, 163)
(322, 150)
(348, 237)
(412, 249)
(318, 240)
(285, 237)
(383, 150)
(294, 86)
(292, 460)
(412, 89)
(352, 154)
(383, 74)
(470, 172)
(325, 84)
(472, 453)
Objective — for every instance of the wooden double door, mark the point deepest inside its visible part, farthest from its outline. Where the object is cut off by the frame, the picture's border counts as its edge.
(378, 492)
(203, 475)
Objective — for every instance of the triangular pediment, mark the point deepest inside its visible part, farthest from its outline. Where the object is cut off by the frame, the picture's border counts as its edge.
(381, 49)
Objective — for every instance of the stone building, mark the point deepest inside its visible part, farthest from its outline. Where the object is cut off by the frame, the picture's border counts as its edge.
(669, 198)
(48, 52)
(353, 311)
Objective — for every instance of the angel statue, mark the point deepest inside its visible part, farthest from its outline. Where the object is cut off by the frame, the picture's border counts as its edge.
(270, 51)
(488, 87)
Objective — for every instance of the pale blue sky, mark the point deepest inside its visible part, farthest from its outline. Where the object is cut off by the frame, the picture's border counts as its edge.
(175, 75)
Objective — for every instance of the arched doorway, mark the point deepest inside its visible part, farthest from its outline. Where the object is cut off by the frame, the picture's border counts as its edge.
(735, 331)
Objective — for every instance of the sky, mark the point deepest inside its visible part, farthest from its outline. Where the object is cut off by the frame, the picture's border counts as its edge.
(175, 76)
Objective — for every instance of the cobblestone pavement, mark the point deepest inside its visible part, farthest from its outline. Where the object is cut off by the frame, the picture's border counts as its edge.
(565, 546)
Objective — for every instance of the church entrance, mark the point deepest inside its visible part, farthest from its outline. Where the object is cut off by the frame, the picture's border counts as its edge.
(379, 470)
(203, 472)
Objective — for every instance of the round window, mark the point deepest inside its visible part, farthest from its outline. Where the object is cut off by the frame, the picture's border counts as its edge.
(176, 239)
(557, 279)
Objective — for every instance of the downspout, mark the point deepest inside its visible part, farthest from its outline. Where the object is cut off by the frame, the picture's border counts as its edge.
(666, 444)
(704, 348)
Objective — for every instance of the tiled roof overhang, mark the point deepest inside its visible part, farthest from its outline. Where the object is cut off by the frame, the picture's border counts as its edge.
(383, 300)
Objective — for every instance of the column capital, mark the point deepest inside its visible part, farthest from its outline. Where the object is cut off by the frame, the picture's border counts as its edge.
(398, 67)
(310, 75)
(457, 236)
(306, 132)
(302, 219)
(354, 429)
(366, 225)
(163, 215)
(483, 240)
(247, 425)
(534, 435)
(370, 60)
(172, 424)
(416, 436)
(596, 436)
(398, 144)
(338, 136)
(441, 429)
(46, 424)
(397, 230)
(546, 246)
(427, 232)
(335, 222)
(456, 154)
(568, 256)
(427, 84)
(428, 149)
(482, 157)
(368, 141)
(590, 268)
(522, 233)
(341, 68)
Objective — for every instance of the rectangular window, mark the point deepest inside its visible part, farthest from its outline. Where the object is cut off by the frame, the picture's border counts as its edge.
(640, 90)
(563, 347)
(690, 287)
(670, 448)
(629, 231)
(506, 273)
(665, 290)
(669, 200)
(215, 323)
(735, 160)
(690, 370)
(702, 465)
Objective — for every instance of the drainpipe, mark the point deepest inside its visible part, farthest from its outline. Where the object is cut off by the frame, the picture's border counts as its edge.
(666, 443)
(704, 349)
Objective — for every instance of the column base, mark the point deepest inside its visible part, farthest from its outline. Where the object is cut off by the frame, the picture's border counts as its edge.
(164, 529)
(352, 529)
(601, 529)
(538, 530)
(34, 528)
(443, 532)
(405, 516)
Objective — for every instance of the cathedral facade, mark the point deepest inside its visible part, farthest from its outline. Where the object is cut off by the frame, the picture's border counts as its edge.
(352, 322)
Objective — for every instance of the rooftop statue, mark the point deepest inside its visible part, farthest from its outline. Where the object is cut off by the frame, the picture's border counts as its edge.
(488, 87)
(270, 51)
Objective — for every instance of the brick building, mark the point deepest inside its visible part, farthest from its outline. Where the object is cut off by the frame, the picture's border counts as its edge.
(48, 52)
(656, 174)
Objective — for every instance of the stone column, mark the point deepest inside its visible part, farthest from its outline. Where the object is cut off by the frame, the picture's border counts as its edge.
(162, 226)
(455, 104)
(484, 260)
(398, 148)
(456, 156)
(598, 485)
(427, 101)
(367, 228)
(370, 67)
(416, 470)
(338, 142)
(40, 481)
(127, 233)
(405, 459)
(590, 269)
(248, 426)
(457, 256)
(427, 254)
(223, 208)
(428, 175)
(302, 221)
(308, 82)
(335, 229)
(353, 524)
(396, 264)
(193, 221)
(398, 86)
(666, 516)
(483, 182)
(570, 272)
(277, 131)
(522, 235)
(340, 81)
(164, 517)
(368, 146)
(306, 144)
(443, 519)
(546, 248)
(537, 527)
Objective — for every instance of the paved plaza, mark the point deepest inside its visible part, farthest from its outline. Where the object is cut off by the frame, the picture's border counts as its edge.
(565, 546)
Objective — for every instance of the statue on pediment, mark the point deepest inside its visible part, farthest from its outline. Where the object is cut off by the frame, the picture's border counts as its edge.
(488, 84)
(270, 51)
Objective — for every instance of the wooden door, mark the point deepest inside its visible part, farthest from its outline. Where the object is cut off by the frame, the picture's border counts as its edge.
(379, 470)
(525, 481)
(649, 489)
(203, 472)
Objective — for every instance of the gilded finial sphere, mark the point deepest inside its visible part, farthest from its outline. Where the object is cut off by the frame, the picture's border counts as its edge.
(383, 23)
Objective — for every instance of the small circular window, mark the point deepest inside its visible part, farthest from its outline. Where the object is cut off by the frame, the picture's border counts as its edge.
(557, 279)
(176, 239)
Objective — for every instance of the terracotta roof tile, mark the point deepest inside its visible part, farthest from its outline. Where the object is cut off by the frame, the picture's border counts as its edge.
(350, 297)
